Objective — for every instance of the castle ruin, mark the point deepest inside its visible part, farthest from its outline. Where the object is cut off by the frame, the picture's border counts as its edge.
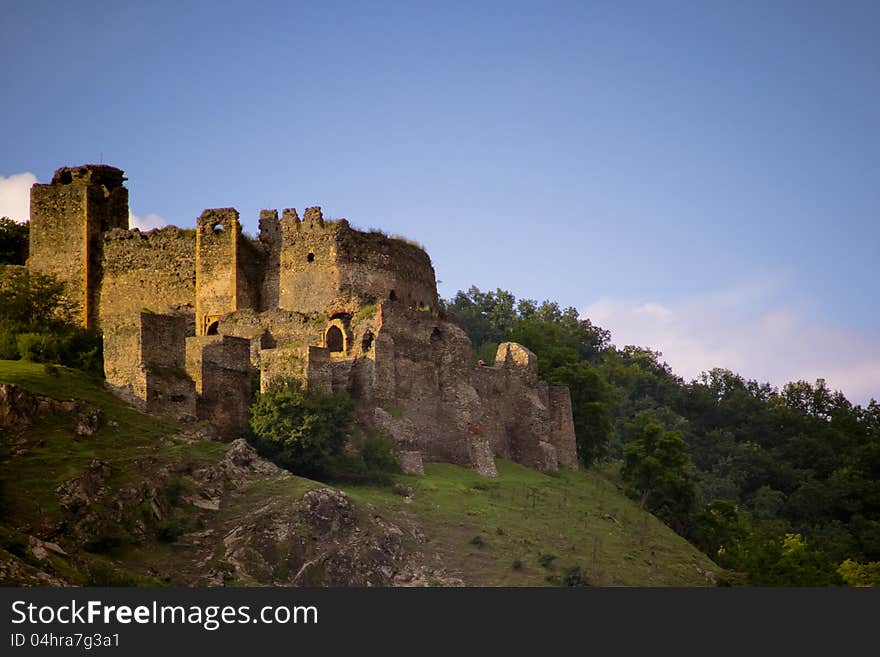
(194, 321)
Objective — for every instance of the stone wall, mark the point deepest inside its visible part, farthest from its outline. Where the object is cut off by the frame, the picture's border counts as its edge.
(154, 271)
(144, 361)
(336, 308)
(123, 367)
(562, 426)
(68, 216)
(309, 365)
(374, 267)
(429, 397)
(217, 241)
(270, 239)
(309, 276)
(221, 368)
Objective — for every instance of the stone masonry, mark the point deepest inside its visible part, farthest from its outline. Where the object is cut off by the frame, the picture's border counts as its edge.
(196, 321)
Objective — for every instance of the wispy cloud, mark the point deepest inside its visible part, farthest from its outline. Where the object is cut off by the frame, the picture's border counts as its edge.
(147, 222)
(750, 330)
(15, 196)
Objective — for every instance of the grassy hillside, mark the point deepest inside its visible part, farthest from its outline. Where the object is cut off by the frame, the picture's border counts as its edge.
(524, 528)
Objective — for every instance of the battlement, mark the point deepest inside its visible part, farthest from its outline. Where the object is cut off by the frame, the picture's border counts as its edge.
(214, 221)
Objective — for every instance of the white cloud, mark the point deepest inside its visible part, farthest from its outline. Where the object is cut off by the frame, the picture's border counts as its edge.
(15, 196)
(149, 222)
(746, 329)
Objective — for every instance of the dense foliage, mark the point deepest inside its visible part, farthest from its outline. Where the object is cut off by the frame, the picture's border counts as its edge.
(782, 486)
(312, 434)
(36, 323)
(13, 242)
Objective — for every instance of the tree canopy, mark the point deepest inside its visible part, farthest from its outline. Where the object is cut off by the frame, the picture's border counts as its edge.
(762, 479)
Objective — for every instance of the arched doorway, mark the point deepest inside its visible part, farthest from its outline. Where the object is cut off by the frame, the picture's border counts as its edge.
(334, 340)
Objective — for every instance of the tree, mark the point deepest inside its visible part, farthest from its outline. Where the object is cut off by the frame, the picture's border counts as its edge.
(718, 529)
(31, 300)
(13, 242)
(771, 559)
(858, 574)
(302, 430)
(656, 469)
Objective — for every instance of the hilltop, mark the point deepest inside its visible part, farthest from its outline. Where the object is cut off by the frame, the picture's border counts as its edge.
(151, 501)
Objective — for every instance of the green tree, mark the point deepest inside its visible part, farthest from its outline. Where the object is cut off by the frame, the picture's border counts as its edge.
(771, 559)
(304, 431)
(718, 529)
(858, 574)
(31, 300)
(13, 242)
(657, 471)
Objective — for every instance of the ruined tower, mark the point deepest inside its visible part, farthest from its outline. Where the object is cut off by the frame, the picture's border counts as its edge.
(224, 269)
(68, 219)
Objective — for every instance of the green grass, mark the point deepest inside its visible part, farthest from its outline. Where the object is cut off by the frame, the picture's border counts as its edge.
(392, 409)
(524, 528)
(366, 312)
(127, 440)
(533, 528)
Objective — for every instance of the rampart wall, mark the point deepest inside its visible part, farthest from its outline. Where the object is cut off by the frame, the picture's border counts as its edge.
(154, 271)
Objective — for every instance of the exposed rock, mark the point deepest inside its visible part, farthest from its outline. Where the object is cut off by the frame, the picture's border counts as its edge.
(78, 493)
(89, 421)
(327, 509)
(411, 462)
(17, 406)
(21, 408)
(402, 490)
(41, 549)
(15, 572)
(318, 541)
(242, 463)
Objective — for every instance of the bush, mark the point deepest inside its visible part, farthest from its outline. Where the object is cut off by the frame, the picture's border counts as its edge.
(38, 347)
(103, 574)
(574, 577)
(546, 560)
(379, 454)
(36, 323)
(371, 460)
(74, 347)
(8, 342)
(303, 431)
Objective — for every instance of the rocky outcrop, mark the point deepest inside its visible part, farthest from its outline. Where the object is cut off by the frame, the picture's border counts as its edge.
(89, 421)
(21, 408)
(297, 533)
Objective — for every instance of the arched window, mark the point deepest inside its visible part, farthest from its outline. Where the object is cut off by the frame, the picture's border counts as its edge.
(367, 342)
(334, 340)
(213, 328)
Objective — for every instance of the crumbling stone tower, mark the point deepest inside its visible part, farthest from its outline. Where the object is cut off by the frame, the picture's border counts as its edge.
(68, 219)
(223, 269)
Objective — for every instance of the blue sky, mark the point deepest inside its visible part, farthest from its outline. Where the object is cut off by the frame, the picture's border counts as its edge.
(701, 177)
